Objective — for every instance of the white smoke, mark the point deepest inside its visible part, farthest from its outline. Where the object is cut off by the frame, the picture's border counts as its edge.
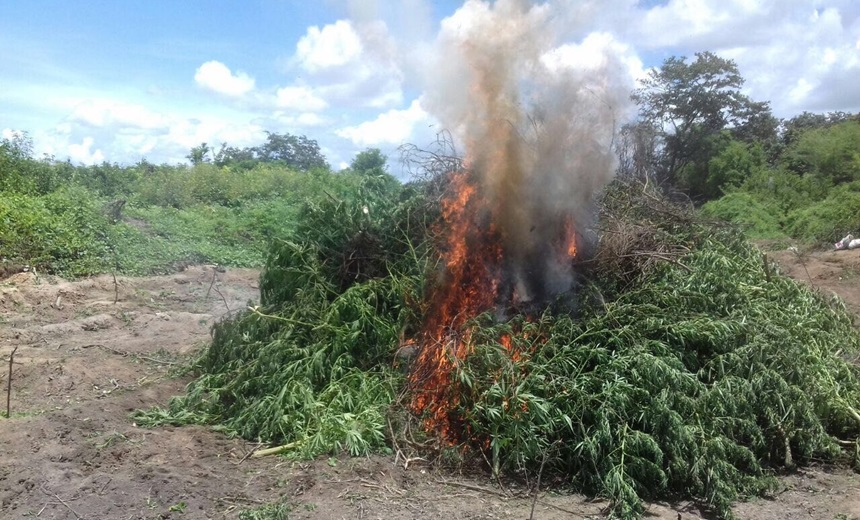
(536, 116)
(537, 119)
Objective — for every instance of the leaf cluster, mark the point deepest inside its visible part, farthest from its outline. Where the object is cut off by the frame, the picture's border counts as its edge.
(702, 379)
(312, 364)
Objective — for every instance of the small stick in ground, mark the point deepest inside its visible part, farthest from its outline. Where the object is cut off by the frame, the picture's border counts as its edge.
(473, 488)
(124, 354)
(45, 491)
(540, 472)
(212, 283)
(250, 452)
(9, 384)
(223, 299)
(115, 289)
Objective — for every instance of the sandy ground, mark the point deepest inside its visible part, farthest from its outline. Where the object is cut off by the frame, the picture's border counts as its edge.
(92, 351)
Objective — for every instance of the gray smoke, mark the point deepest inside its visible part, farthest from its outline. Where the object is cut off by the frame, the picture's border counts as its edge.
(535, 117)
(537, 128)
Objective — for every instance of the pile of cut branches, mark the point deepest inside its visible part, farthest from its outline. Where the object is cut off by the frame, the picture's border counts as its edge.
(688, 367)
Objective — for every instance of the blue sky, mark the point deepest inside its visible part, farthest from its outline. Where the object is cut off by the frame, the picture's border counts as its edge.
(121, 80)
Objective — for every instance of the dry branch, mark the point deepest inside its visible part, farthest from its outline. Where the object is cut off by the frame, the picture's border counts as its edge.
(60, 500)
(275, 450)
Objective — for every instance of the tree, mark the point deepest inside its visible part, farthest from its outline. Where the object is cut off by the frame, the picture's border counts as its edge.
(636, 148)
(242, 158)
(198, 154)
(298, 152)
(831, 153)
(371, 161)
(688, 105)
(790, 130)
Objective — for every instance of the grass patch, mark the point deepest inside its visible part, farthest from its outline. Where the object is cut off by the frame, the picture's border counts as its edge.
(279, 511)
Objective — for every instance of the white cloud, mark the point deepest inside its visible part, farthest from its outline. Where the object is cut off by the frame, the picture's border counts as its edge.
(334, 45)
(299, 98)
(807, 62)
(392, 127)
(80, 153)
(797, 54)
(295, 123)
(217, 77)
(106, 112)
(352, 65)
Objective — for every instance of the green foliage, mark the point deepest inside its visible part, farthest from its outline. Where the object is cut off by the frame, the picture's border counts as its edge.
(198, 154)
(812, 194)
(784, 190)
(791, 129)
(279, 511)
(108, 180)
(687, 106)
(698, 381)
(829, 220)
(733, 165)
(756, 219)
(54, 213)
(298, 152)
(370, 162)
(832, 153)
(61, 232)
(311, 365)
(20, 173)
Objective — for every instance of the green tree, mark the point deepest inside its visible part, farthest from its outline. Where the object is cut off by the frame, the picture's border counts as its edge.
(16, 164)
(241, 158)
(371, 161)
(735, 163)
(298, 152)
(792, 129)
(199, 154)
(688, 105)
(831, 153)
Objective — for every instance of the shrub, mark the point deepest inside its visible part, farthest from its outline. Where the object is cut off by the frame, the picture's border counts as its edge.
(828, 220)
(63, 232)
(755, 218)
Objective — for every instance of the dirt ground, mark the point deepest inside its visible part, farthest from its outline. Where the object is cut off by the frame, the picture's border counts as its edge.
(90, 352)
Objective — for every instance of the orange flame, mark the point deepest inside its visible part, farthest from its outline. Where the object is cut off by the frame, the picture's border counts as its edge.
(473, 256)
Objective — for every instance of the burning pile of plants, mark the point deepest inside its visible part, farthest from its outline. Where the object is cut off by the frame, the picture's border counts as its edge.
(555, 321)
(673, 362)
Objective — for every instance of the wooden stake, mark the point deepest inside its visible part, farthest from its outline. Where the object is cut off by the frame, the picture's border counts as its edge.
(766, 267)
(9, 384)
(115, 289)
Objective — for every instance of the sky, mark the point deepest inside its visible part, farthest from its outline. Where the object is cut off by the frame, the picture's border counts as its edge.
(104, 80)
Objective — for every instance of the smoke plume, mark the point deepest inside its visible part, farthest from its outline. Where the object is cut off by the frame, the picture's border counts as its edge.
(537, 125)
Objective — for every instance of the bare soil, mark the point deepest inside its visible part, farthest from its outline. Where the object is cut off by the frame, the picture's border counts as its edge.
(92, 351)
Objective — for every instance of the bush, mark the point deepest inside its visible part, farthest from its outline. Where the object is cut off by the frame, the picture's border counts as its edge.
(63, 232)
(311, 365)
(828, 220)
(755, 218)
